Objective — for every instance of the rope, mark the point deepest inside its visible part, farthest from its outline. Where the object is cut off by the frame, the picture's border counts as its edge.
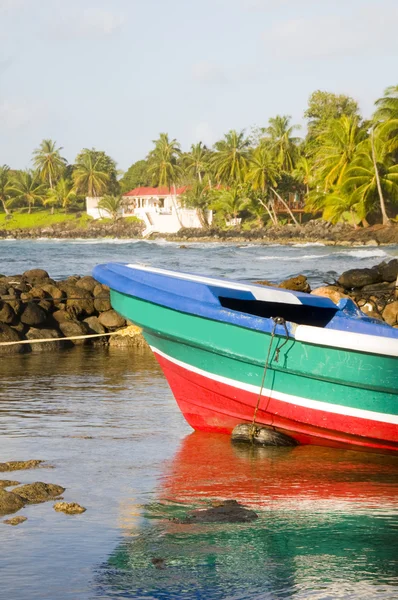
(130, 331)
(277, 321)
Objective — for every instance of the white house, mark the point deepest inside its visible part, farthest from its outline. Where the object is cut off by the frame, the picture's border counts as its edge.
(159, 208)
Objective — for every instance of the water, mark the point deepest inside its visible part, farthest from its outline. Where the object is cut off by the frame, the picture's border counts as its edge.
(107, 425)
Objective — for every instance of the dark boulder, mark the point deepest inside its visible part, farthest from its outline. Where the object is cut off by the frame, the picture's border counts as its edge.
(102, 302)
(7, 315)
(389, 271)
(94, 325)
(357, 278)
(8, 334)
(35, 274)
(75, 328)
(229, 511)
(62, 315)
(55, 293)
(43, 334)
(33, 314)
(87, 283)
(80, 302)
(111, 320)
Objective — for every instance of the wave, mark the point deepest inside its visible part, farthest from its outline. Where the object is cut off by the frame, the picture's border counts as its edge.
(371, 253)
(308, 245)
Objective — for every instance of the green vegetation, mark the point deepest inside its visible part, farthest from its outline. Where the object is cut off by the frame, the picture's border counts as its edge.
(42, 218)
(344, 168)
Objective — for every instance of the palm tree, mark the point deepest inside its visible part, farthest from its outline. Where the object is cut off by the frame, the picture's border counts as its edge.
(372, 174)
(62, 194)
(386, 114)
(336, 149)
(28, 188)
(231, 158)
(198, 196)
(304, 173)
(197, 161)
(111, 205)
(282, 142)
(49, 162)
(263, 170)
(230, 202)
(5, 186)
(88, 175)
(163, 165)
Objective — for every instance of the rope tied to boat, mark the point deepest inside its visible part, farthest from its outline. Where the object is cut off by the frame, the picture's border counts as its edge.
(130, 331)
(277, 321)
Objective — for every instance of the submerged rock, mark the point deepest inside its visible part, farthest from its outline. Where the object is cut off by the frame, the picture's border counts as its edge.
(263, 436)
(69, 508)
(7, 483)
(34, 493)
(19, 465)
(229, 511)
(8, 334)
(15, 520)
(10, 502)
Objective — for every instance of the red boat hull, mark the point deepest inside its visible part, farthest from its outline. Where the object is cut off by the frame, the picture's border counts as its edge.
(215, 407)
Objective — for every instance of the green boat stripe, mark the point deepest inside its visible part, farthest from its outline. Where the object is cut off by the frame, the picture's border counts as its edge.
(284, 397)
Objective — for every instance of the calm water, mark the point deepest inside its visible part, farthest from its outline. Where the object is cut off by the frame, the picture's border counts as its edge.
(107, 424)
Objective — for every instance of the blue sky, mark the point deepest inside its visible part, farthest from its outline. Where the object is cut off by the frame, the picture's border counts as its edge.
(112, 74)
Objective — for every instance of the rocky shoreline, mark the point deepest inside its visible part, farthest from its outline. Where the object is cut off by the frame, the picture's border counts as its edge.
(35, 307)
(312, 231)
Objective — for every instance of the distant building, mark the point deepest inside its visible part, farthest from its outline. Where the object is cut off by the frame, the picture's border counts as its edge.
(159, 208)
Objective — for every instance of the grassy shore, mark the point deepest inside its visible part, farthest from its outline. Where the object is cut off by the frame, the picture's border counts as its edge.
(41, 219)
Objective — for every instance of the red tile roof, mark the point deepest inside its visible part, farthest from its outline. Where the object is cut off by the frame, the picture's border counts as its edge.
(155, 191)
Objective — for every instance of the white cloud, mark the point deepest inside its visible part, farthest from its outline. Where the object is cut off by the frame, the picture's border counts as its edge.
(89, 23)
(371, 32)
(210, 73)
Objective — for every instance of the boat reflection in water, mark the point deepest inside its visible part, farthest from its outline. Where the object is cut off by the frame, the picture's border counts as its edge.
(327, 527)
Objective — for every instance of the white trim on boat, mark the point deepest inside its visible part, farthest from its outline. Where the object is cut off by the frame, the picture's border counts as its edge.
(347, 411)
(260, 293)
(349, 340)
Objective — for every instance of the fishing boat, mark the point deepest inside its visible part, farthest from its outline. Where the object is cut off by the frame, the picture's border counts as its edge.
(233, 352)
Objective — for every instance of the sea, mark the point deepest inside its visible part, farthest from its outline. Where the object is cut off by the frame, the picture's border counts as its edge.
(106, 425)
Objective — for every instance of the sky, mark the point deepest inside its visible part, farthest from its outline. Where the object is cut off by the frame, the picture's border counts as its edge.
(113, 74)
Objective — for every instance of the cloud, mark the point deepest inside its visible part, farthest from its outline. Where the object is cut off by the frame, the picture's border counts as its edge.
(371, 33)
(89, 23)
(209, 73)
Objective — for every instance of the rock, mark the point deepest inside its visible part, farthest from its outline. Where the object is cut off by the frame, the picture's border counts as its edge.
(357, 278)
(35, 274)
(33, 314)
(159, 563)
(98, 290)
(390, 313)
(94, 325)
(330, 291)
(370, 310)
(55, 293)
(7, 483)
(264, 436)
(297, 284)
(61, 315)
(229, 511)
(10, 502)
(37, 292)
(42, 334)
(8, 334)
(389, 271)
(136, 340)
(69, 508)
(111, 319)
(7, 315)
(75, 328)
(15, 520)
(80, 302)
(265, 282)
(46, 305)
(34, 493)
(384, 285)
(87, 283)
(102, 302)
(16, 305)
(21, 328)
(19, 465)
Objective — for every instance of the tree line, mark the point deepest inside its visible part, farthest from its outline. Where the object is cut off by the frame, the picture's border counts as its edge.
(345, 168)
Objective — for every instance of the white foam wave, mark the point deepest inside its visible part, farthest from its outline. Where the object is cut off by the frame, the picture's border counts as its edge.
(371, 253)
(308, 245)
